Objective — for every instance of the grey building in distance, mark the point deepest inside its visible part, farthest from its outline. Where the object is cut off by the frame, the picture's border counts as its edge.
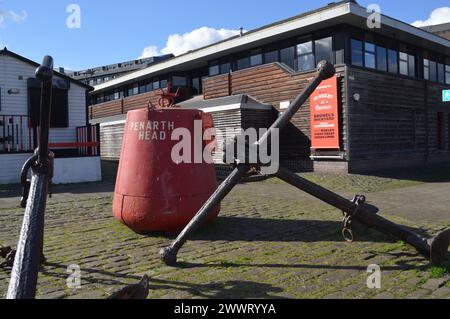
(102, 74)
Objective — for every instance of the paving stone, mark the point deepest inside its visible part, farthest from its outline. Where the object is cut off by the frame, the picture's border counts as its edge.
(442, 293)
(434, 284)
(418, 294)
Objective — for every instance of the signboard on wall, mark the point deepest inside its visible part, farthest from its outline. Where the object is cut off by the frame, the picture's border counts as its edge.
(446, 96)
(325, 116)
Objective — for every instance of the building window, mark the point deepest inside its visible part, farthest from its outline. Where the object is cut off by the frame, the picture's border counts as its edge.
(433, 71)
(287, 56)
(305, 56)
(403, 63)
(426, 69)
(143, 88)
(256, 58)
(163, 84)
(271, 56)
(196, 86)
(225, 68)
(324, 50)
(179, 81)
(243, 63)
(357, 53)
(369, 55)
(381, 59)
(133, 90)
(392, 61)
(411, 65)
(447, 75)
(440, 73)
(214, 69)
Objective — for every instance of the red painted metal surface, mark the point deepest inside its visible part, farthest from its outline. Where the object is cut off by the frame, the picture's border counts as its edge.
(154, 193)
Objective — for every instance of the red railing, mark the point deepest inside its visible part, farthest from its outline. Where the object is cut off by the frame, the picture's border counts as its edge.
(16, 134)
(88, 139)
(87, 144)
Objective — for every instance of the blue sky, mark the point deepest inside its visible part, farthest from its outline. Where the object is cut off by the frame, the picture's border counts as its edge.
(116, 30)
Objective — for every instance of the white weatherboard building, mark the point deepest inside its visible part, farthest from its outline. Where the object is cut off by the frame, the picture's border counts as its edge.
(72, 139)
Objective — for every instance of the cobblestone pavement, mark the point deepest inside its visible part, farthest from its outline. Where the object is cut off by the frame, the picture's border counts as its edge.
(270, 242)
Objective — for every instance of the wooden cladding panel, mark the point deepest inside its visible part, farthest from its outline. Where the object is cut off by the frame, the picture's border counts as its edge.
(395, 116)
(122, 106)
(217, 86)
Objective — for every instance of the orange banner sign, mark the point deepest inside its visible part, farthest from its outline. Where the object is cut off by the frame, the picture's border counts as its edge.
(325, 116)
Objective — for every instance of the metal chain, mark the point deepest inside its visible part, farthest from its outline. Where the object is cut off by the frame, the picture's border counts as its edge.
(347, 231)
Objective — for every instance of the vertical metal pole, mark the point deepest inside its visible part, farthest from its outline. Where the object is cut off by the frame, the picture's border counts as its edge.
(29, 248)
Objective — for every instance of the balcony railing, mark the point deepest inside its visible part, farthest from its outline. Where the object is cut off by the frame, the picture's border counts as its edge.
(16, 134)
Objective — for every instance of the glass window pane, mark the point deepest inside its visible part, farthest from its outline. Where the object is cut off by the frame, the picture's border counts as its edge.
(155, 85)
(392, 61)
(381, 59)
(271, 57)
(306, 62)
(447, 74)
(426, 69)
(304, 48)
(287, 56)
(225, 68)
(243, 63)
(179, 81)
(357, 53)
(369, 47)
(411, 65)
(324, 49)
(256, 59)
(403, 56)
(369, 60)
(403, 67)
(433, 71)
(196, 85)
(163, 84)
(214, 70)
(441, 73)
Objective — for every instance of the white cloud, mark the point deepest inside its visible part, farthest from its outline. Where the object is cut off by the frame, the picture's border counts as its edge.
(14, 16)
(438, 16)
(149, 52)
(178, 44)
(18, 17)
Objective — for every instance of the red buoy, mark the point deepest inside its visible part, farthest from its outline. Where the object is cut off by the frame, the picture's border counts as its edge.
(155, 192)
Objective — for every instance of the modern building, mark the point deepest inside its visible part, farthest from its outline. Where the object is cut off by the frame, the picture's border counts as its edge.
(389, 93)
(73, 140)
(95, 76)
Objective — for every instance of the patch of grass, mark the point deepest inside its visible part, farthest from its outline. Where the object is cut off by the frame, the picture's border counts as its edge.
(438, 272)
(398, 246)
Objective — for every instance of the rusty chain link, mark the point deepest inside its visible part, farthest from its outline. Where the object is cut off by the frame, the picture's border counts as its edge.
(347, 231)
